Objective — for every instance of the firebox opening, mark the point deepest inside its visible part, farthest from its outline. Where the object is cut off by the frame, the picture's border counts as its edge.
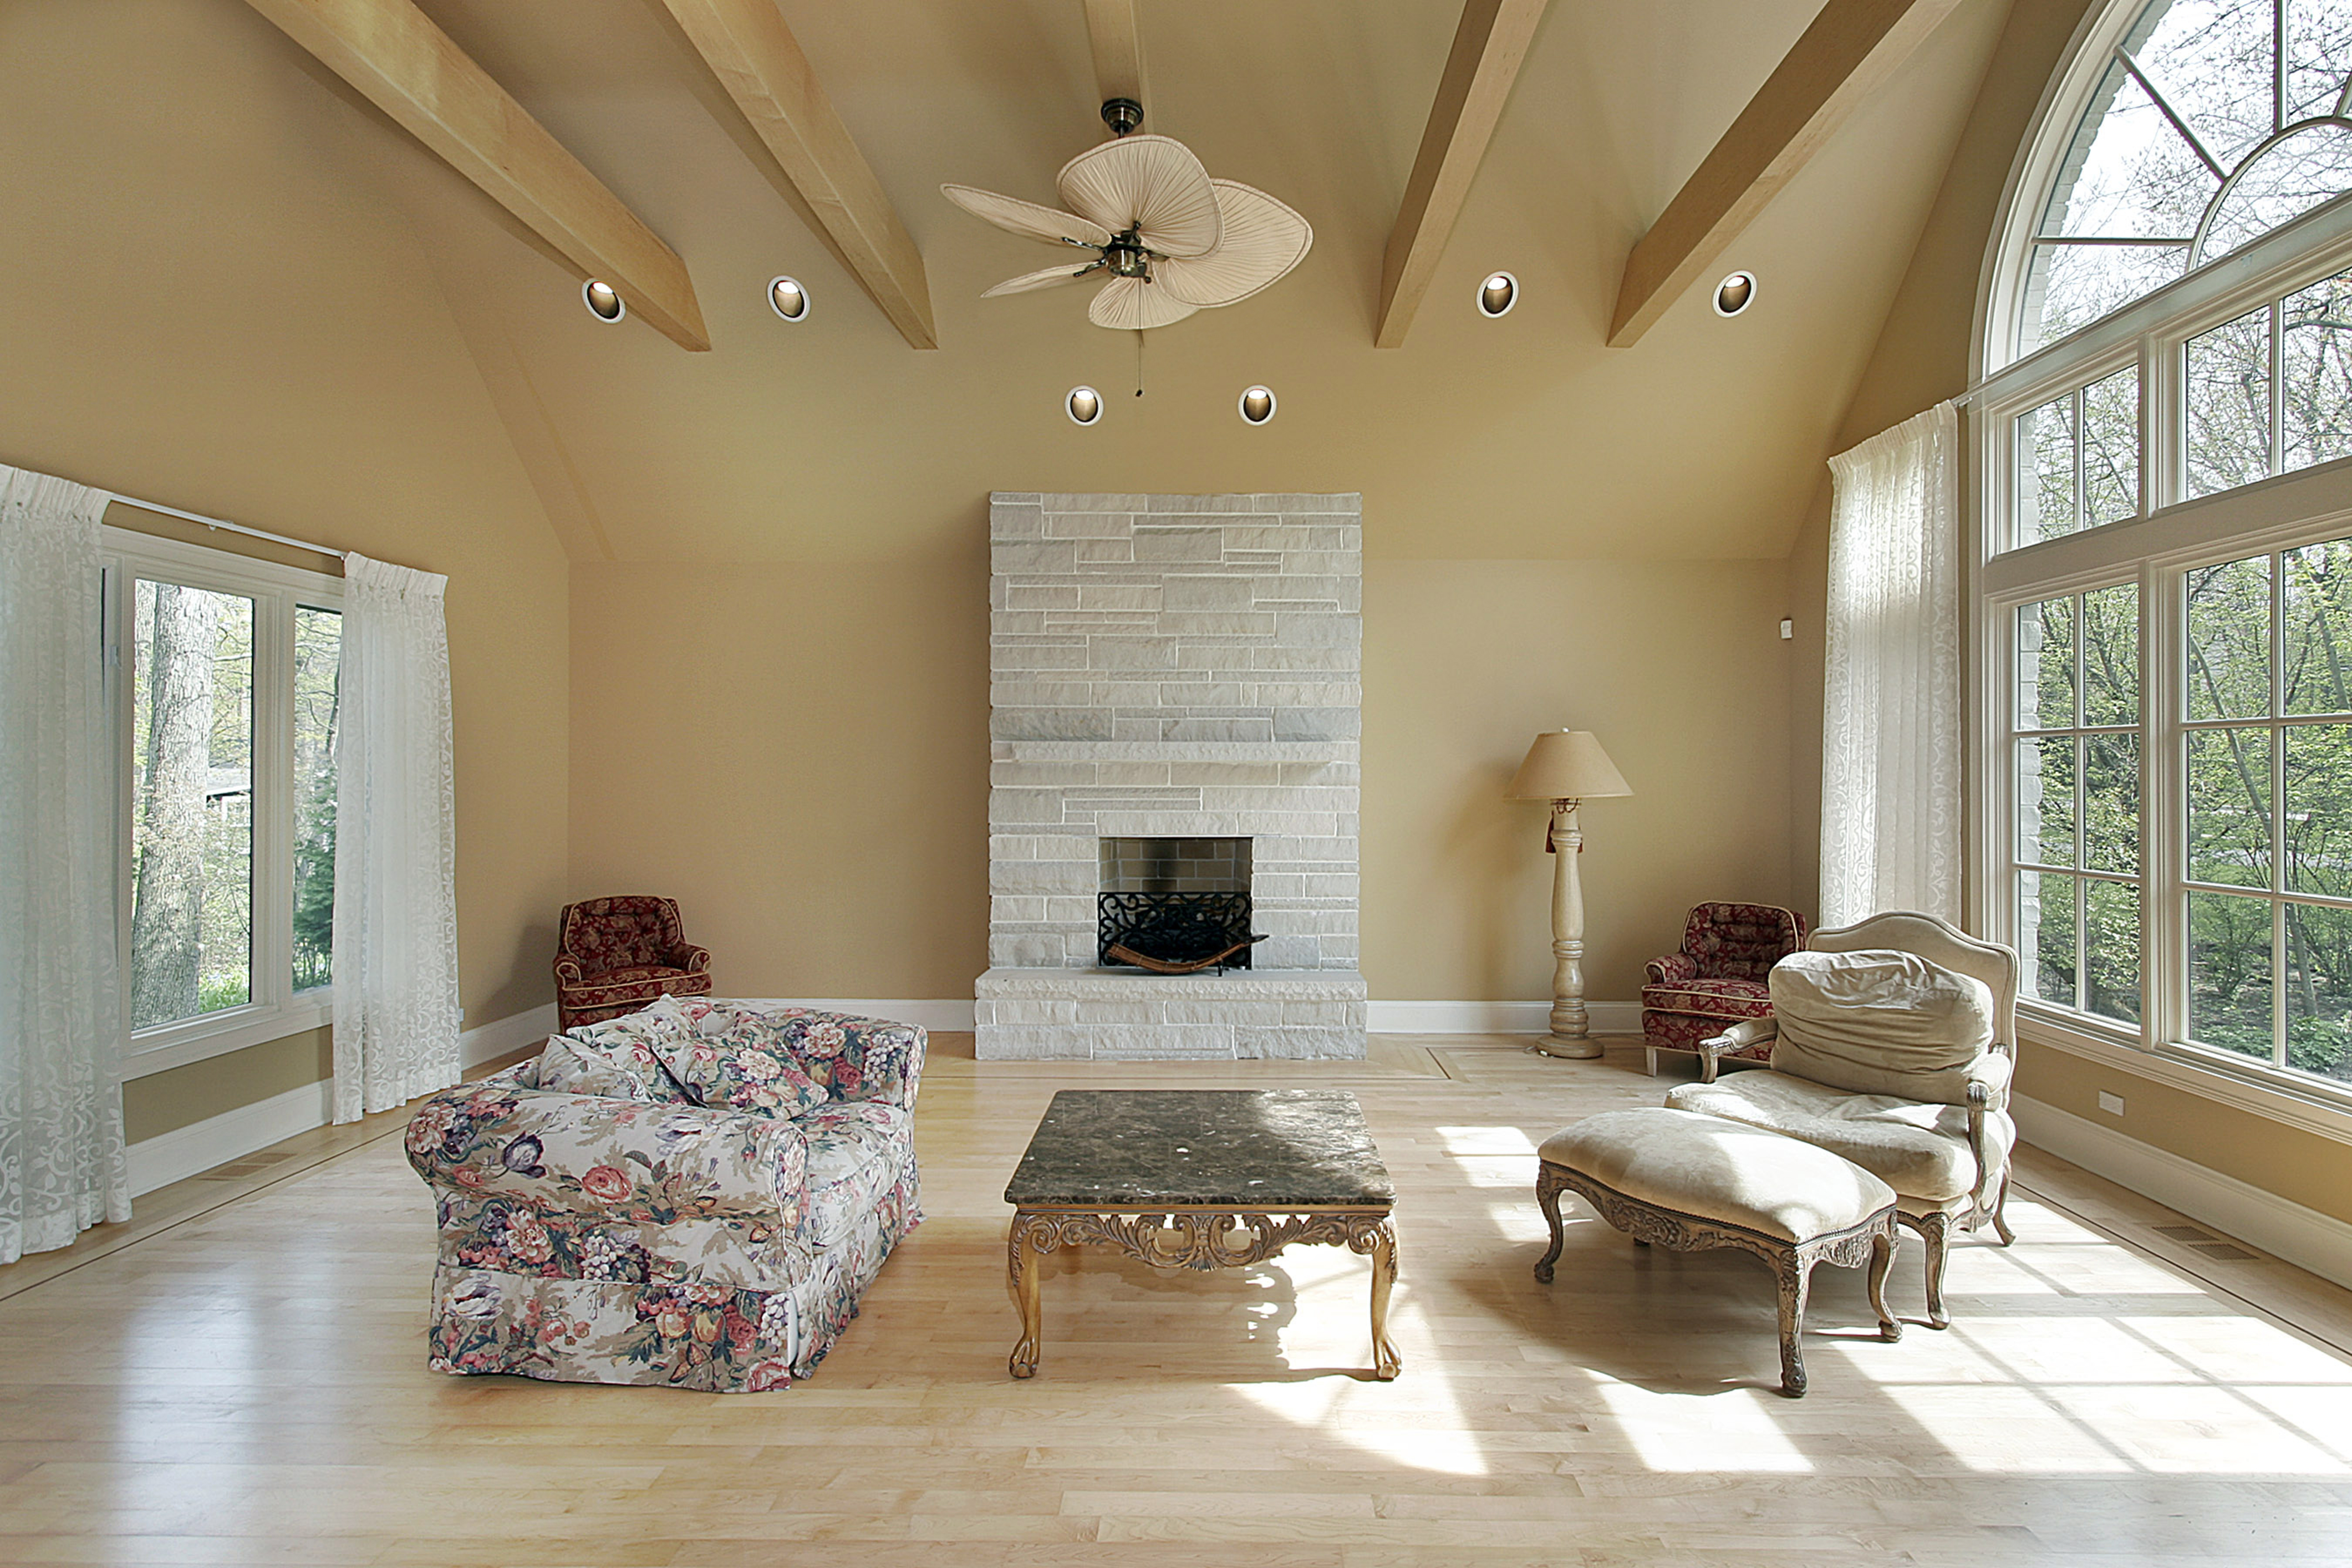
(1177, 900)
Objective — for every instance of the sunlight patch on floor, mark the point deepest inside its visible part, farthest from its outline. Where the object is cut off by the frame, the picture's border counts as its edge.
(1734, 1431)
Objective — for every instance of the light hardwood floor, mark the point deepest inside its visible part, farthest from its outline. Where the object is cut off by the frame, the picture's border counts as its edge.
(238, 1378)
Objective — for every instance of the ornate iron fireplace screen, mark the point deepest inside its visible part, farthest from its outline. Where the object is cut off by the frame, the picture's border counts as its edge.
(1175, 931)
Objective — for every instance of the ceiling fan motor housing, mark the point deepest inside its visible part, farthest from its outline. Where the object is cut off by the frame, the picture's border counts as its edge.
(1122, 115)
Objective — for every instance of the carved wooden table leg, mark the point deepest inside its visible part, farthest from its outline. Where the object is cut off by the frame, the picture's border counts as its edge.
(1549, 1184)
(1379, 1241)
(1882, 1258)
(1032, 1235)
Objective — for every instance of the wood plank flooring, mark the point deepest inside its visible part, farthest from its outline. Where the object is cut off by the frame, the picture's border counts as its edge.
(243, 1382)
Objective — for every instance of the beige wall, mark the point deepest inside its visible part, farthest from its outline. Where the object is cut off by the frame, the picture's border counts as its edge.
(182, 295)
(798, 755)
(1677, 667)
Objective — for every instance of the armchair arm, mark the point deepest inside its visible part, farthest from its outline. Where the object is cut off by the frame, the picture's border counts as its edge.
(568, 971)
(686, 956)
(613, 1160)
(864, 1058)
(1988, 1079)
(1671, 969)
(1741, 1036)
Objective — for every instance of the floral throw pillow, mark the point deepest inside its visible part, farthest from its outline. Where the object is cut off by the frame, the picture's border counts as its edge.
(615, 1058)
(737, 1061)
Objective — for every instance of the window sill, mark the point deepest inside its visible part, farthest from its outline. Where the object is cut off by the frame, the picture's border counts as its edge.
(200, 1041)
(2316, 1108)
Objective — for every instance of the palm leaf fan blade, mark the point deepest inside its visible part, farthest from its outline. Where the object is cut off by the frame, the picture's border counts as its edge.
(1263, 239)
(1050, 278)
(1027, 219)
(1129, 304)
(1153, 185)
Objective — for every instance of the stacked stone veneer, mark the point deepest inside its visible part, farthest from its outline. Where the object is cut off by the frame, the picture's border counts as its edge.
(1173, 666)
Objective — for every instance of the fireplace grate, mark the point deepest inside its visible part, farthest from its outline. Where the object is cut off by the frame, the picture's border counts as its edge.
(1176, 927)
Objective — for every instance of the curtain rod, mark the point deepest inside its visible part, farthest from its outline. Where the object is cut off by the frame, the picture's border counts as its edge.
(218, 522)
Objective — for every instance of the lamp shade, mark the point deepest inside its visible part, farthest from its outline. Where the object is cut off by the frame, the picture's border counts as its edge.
(1566, 764)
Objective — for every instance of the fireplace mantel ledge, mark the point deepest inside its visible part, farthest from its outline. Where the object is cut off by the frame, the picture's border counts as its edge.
(1175, 750)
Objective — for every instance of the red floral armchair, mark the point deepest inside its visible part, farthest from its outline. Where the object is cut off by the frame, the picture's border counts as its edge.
(615, 956)
(1719, 977)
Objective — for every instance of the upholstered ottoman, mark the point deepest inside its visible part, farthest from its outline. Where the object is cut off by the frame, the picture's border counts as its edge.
(1689, 1183)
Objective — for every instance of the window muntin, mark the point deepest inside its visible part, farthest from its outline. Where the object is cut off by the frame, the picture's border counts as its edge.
(2213, 123)
(240, 744)
(2076, 865)
(2078, 459)
(2267, 733)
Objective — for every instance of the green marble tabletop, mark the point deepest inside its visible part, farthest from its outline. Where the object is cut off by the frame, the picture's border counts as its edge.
(1269, 1149)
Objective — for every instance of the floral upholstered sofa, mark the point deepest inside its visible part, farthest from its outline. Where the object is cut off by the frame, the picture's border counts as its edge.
(694, 1195)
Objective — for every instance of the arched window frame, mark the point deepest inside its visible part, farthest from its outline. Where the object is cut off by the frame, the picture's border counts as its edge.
(2169, 533)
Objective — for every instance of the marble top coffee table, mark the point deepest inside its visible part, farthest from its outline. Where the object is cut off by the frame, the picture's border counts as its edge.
(1200, 1179)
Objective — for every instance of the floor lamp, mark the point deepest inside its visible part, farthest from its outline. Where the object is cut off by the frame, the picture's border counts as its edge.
(1564, 767)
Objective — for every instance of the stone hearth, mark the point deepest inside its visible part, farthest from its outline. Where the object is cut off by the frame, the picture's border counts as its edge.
(1173, 666)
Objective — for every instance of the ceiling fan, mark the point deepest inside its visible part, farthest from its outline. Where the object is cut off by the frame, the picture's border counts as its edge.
(1166, 239)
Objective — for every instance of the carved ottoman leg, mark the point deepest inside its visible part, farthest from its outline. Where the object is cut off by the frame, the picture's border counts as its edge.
(1795, 1269)
(1882, 1258)
(1548, 1187)
(1380, 1242)
(1937, 1230)
(1031, 1236)
(2000, 1214)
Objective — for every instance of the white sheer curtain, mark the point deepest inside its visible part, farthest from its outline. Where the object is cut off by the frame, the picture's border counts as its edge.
(62, 1161)
(396, 844)
(1891, 710)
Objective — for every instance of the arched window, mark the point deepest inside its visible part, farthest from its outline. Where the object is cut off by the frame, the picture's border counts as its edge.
(2212, 122)
(2162, 439)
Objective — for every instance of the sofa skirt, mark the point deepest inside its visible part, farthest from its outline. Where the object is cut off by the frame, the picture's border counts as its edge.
(671, 1334)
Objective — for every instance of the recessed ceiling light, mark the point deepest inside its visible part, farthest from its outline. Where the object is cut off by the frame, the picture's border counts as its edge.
(1084, 406)
(1735, 294)
(1497, 294)
(789, 299)
(1257, 406)
(604, 301)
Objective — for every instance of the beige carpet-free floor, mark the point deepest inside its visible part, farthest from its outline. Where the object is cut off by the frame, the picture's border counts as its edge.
(238, 1377)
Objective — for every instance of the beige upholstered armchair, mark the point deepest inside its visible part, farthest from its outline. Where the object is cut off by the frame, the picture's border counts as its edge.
(1899, 1065)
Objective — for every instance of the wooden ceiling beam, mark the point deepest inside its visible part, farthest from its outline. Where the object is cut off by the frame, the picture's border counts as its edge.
(1118, 47)
(395, 57)
(760, 63)
(1488, 47)
(1851, 48)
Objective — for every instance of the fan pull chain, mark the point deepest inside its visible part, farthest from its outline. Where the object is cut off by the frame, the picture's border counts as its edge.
(1138, 362)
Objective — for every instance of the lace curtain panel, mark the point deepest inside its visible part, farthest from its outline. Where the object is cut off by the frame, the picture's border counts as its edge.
(396, 844)
(1891, 711)
(62, 1160)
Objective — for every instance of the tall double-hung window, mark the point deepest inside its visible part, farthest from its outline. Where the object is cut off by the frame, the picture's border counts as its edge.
(2163, 523)
(224, 675)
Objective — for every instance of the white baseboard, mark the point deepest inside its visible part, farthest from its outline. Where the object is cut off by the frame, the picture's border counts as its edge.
(512, 1032)
(2303, 1237)
(190, 1150)
(1494, 1017)
(1386, 1018)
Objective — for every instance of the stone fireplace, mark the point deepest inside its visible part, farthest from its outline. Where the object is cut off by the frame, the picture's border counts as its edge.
(1174, 701)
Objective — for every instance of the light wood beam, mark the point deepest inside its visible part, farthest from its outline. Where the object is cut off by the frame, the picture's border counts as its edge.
(1118, 48)
(394, 55)
(1488, 47)
(1851, 48)
(760, 63)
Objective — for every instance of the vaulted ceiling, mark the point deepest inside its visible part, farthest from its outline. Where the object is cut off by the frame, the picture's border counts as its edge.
(1524, 437)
